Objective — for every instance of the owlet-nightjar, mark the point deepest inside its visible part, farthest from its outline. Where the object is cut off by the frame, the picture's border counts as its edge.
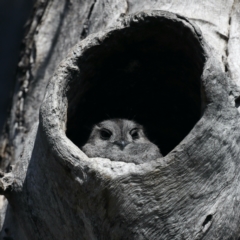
(120, 140)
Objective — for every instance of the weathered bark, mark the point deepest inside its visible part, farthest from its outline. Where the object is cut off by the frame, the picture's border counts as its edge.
(56, 192)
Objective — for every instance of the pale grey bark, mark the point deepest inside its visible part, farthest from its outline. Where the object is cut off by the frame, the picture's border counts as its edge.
(56, 192)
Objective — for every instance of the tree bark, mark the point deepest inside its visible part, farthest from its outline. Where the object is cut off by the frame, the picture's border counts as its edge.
(73, 51)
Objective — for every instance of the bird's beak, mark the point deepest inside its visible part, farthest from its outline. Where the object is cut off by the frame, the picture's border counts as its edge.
(121, 143)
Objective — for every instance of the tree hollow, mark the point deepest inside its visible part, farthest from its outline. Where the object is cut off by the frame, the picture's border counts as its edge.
(149, 72)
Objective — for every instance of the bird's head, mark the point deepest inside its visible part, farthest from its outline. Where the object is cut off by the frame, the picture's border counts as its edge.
(117, 132)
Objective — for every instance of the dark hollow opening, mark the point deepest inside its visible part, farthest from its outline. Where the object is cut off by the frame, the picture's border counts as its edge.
(150, 73)
(207, 220)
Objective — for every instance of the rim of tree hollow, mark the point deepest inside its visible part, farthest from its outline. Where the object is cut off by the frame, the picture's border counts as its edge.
(79, 73)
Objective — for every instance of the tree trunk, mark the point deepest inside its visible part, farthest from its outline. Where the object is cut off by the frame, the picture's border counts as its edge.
(171, 65)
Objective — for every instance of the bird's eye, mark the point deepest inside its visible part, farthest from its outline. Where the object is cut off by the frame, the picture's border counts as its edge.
(105, 134)
(134, 133)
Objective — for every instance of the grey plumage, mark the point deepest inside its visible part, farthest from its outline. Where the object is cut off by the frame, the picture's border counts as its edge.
(120, 140)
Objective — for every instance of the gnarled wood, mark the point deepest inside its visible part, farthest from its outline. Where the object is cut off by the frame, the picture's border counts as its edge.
(185, 194)
(56, 192)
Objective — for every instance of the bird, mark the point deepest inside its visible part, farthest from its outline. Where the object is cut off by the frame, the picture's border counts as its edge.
(120, 140)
